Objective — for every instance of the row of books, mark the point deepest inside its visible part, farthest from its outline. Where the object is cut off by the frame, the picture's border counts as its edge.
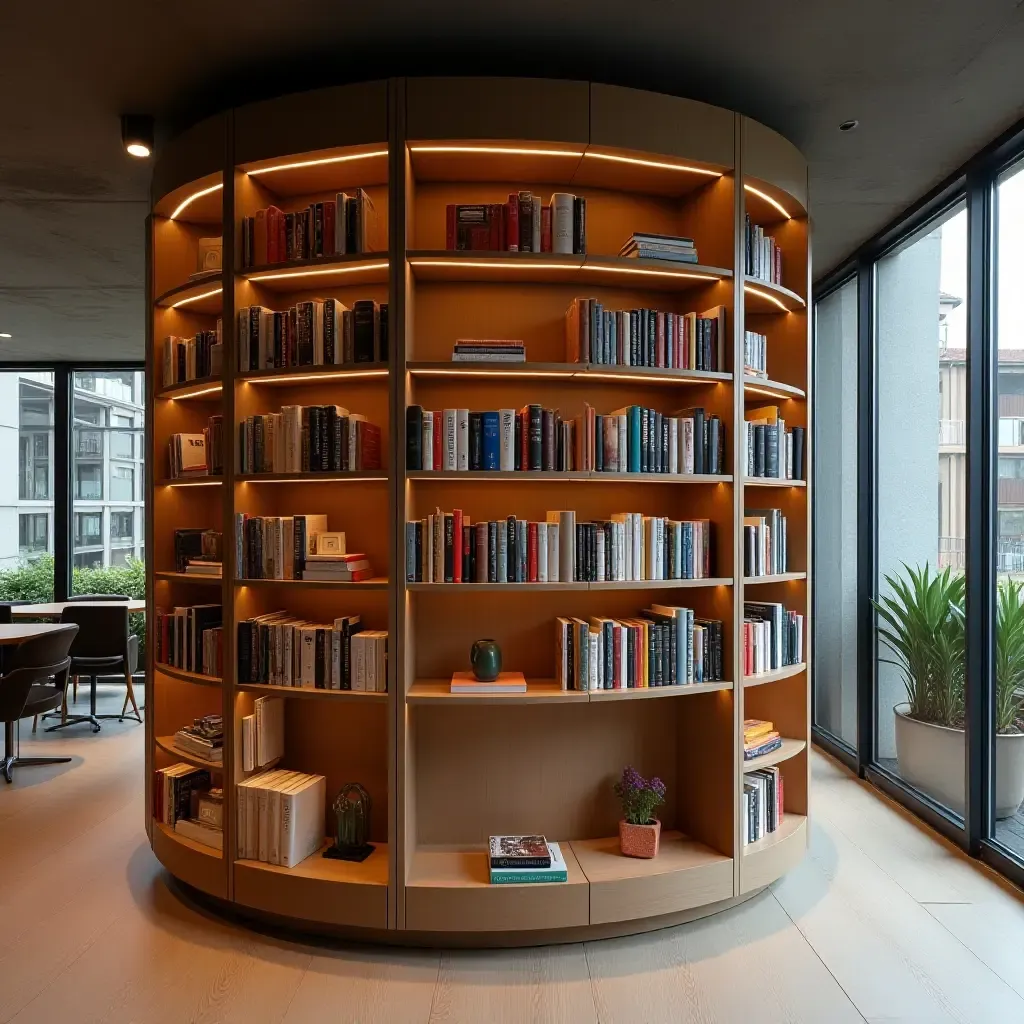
(184, 800)
(263, 733)
(204, 738)
(189, 637)
(488, 350)
(192, 358)
(280, 817)
(764, 542)
(295, 548)
(633, 439)
(308, 439)
(335, 227)
(771, 450)
(520, 224)
(762, 254)
(446, 548)
(281, 650)
(760, 737)
(669, 248)
(755, 354)
(763, 798)
(663, 646)
(316, 332)
(197, 548)
(190, 455)
(773, 637)
(645, 337)
(517, 860)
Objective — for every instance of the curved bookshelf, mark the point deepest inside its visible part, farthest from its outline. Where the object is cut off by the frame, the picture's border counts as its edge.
(414, 151)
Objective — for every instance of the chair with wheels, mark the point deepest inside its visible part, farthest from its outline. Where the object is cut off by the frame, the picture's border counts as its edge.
(133, 641)
(34, 683)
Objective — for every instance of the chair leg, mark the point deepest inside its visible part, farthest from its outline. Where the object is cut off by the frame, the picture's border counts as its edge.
(35, 722)
(130, 695)
(74, 690)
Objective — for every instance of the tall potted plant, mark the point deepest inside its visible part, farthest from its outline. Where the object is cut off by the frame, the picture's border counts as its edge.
(921, 622)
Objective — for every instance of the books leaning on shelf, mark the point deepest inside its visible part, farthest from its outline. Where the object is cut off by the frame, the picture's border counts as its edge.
(447, 548)
(263, 733)
(671, 248)
(645, 337)
(280, 650)
(184, 801)
(196, 546)
(190, 638)
(520, 224)
(763, 803)
(317, 332)
(204, 739)
(280, 817)
(517, 860)
(633, 439)
(765, 550)
(276, 547)
(759, 738)
(755, 354)
(484, 350)
(763, 255)
(193, 358)
(308, 439)
(191, 455)
(662, 646)
(344, 225)
(773, 637)
(771, 450)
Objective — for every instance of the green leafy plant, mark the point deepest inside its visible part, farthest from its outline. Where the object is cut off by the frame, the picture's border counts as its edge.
(921, 624)
(639, 796)
(1009, 654)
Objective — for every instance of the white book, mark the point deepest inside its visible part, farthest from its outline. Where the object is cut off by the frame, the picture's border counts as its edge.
(449, 441)
(359, 662)
(600, 555)
(502, 554)
(553, 556)
(438, 546)
(199, 833)
(506, 439)
(370, 661)
(686, 445)
(428, 440)
(638, 545)
(307, 656)
(536, 224)
(561, 222)
(592, 659)
(542, 552)
(284, 783)
(270, 732)
(673, 445)
(462, 440)
(302, 821)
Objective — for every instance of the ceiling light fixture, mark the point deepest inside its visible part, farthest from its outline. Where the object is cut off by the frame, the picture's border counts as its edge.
(848, 126)
(137, 134)
(185, 203)
(768, 199)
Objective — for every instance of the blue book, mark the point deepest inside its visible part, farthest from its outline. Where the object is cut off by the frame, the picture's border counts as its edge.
(492, 443)
(633, 441)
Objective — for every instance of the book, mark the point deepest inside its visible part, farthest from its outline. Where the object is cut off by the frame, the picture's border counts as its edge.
(522, 223)
(280, 817)
(556, 872)
(189, 637)
(507, 682)
(200, 832)
(195, 358)
(518, 852)
(763, 257)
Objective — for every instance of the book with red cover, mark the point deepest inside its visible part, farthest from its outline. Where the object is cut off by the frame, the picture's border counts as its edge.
(367, 445)
(458, 546)
(512, 222)
(496, 219)
(438, 440)
(545, 229)
(531, 552)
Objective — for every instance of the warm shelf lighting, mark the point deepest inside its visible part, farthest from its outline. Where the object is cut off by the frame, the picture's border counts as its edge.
(289, 378)
(498, 150)
(780, 393)
(317, 163)
(320, 271)
(195, 298)
(318, 478)
(498, 371)
(768, 199)
(750, 289)
(195, 394)
(185, 203)
(198, 482)
(646, 272)
(660, 164)
(457, 261)
(654, 378)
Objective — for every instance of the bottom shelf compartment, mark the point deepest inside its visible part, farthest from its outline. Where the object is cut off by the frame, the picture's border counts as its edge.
(319, 889)
(770, 858)
(192, 863)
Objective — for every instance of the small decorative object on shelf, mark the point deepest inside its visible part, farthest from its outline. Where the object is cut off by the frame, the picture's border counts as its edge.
(639, 830)
(352, 830)
(485, 657)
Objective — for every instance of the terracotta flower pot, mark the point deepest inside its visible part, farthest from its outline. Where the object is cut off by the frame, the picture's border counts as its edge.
(639, 840)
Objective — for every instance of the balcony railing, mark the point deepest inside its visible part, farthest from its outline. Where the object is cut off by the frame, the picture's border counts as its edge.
(1009, 554)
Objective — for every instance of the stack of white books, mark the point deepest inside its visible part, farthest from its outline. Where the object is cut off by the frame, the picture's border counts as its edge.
(281, 817)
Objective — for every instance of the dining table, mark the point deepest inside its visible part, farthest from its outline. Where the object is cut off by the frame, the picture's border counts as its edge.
(54, 609)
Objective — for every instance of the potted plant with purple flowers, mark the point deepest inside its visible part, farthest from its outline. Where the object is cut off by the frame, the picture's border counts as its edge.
(639, 830)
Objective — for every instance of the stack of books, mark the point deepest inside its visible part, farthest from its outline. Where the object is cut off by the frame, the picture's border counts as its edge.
(202, 567)
(673, 248)
(764, 542)
(281, 817)
(755, 354)
(773, 637)
(263, 733)
(193, 358)
(507, 682)
(771, 450)
(339, 568)
(763, 256)
(517, 860)
(759, 738)
(204, 738)
(196, 546)
(488, 350)
(189, 637)
(183, 800)
(763, 803)
(520, 224)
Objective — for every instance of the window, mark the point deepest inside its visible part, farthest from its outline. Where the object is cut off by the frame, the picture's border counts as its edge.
(122, 525)
(835, 515)
(122, 443)
(33, 533)
(89, 482)
(921, 353)
(122, 483)
(88, 559)
(88, 528)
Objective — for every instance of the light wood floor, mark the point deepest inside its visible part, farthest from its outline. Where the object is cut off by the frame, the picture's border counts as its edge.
(882, 922)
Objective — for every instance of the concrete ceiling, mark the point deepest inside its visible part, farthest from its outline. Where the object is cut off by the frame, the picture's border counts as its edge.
(931, 81)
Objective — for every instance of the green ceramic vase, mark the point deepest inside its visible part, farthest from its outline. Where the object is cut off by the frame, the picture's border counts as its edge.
(485, 657)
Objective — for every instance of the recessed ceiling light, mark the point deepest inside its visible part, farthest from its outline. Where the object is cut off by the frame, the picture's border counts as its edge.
(137, 134)
(3, 334)
(848, 126)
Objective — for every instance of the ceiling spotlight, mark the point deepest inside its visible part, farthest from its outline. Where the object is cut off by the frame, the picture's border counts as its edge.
(4, 334)
(848, 126)
(137, 134)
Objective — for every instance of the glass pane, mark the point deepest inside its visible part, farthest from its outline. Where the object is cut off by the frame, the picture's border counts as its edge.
(835, 514)
(922, 377)
(1008, 788)
(108, 430)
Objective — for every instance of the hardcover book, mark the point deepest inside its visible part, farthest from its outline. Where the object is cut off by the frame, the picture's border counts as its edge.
(519, 852)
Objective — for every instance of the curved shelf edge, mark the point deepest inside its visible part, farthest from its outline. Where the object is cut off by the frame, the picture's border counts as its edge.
(654, 375)
(778, 577)
(166, 744)
(200, 387)
(764, 297)
(189, 677)
(360, 696)
(367, 268)
(208, 291)
(757, 387)
(771, 677)
(770, 858)
(291, 375)
(190, 862)
(206, 579)
(790, 748)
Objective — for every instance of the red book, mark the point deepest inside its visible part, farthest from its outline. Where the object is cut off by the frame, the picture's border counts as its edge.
(531, 552)
(367, 445)
(449, 233)
(467, 540)
(524, 438)
(282, 238)
(272, 256)
(481, 552)
(659, 358)
(330, 212)
(438, 431)
(457, 546)
(512, 222)
(496, 221)
(545, 229)
(357, 575)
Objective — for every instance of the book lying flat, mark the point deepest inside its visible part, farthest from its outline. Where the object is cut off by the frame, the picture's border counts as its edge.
(749, 753)
(507, 682)
(199, 832)
(523, 876)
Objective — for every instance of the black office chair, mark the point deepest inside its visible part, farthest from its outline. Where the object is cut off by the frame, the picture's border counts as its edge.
(103, 645)
(133, 642)
(34, 684)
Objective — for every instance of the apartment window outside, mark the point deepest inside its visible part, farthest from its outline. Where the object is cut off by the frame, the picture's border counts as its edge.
(89, 482)
(122, 483)
(33, 533)
(88, 528)
(122, 525)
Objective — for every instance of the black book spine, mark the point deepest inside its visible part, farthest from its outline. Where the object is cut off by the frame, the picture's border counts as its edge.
(364, 314)
(449, 548)
(476, 440)
(598, 444)
(652, 337)
(385, 345)
(244, 663)
(798, 453)
(645, 441)
(511, 555)
(536, 437)
(518, 442)
(580, 549)
(579, 224)
(320, 661)
(325, 439)
(468, 555)
(609, 654)
(299, 546)
(419, 551)
(330, 331)
(759, 447)
(547, 439)
(699, 462)
(570, 657)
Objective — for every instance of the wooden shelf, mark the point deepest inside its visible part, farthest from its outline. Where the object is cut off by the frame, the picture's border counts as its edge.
(189, 677)
(764, 481)
(208, 389)
(790, 824)
(324, 170)
(774, 676)
(461, 588)
(319, 889)
(166, 744)
(352, 476)
(554, 476)
(770, 858)
(790, 748)
(294, 376)
(755, 388)
(195, 864)
(538, 691)
(764, 297)
(189, 577)
(205, 296)
(647, 692)
(778, 577)
(656, 376)
(305, 692)
(552, 268)
(329, 271)
(191, 481)
(375, 584)
(685, 874)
